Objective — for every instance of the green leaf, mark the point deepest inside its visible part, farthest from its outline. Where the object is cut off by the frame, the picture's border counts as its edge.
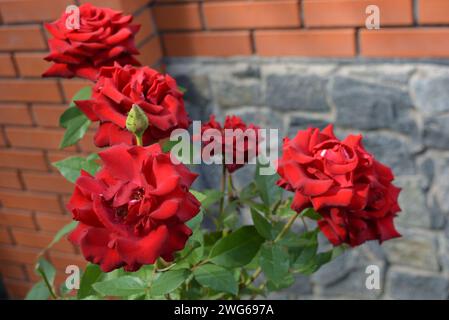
(76, 130)
(70, 167)
(198, 195)
(83, 94)
(261, 224)
(285, 283)
(182, 89)
(61, 233)
(90, 276)
(238, 248)
(38, 292)
(168, 281)
(268, 191)
(216, 278)
(121, 287)
(46, 270)
(168, 145)
(274, 261)
(212, 196)
(307, 255)
(195, 222)
(74, 120)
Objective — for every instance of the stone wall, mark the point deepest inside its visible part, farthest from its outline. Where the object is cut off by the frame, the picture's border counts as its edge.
(402, 109)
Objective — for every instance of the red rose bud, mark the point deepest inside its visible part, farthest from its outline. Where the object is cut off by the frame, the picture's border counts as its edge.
(134, 210)
(239, 148)
(351, 190)
(104, 36)
(118, 89)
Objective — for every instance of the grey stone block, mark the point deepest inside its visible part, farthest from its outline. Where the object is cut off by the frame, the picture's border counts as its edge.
(412, 200)
(409, 284)
(414, 249)
(391, 150)
(436, 132)
(232, 92)
(302, 123)
(429, 89)
(297, 92)
(365, 105)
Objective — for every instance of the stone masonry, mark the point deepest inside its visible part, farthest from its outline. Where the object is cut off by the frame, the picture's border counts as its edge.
(402, 109)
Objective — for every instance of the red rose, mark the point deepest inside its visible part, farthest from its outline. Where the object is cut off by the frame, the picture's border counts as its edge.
(134, 210)
(244, 145)
(118, 88)
(351, 190)
(104, 36)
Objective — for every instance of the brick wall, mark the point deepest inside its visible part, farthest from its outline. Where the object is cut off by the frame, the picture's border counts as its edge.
(32, 193)
(313, 28)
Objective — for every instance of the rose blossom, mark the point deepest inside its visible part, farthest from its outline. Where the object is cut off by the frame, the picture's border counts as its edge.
(105, 36)
(118, 88)
(233, 148)
(351, 190)
(134, 210)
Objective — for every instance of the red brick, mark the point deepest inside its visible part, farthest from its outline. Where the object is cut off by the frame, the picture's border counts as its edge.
(123, 5)
(61, 260)
(87, 143)
(17, 289)
(48, 115)
(35, 137)
(348, 13)
(406, 43)
(9, 179)
(27, 37)
(313, 43)
(433, 12)
(72, 86)
(151, 52)
(51, 222)
(30, 201)
(146, 25)
(47, 182)
(5, 237)
(254, 14)
(178, 17)
(22, 159)
(14, 11)
(233, 43)
(29, 90)
(13, 271)
(31, 64)
(15, 114)
(18, 218)
(18, 254)
(6, 66)
(40, 240)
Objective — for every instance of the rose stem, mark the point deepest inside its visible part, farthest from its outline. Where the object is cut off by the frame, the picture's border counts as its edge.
(139, 140)
(223, 187)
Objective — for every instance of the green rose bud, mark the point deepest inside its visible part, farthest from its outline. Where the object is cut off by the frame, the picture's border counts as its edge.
(137, 122)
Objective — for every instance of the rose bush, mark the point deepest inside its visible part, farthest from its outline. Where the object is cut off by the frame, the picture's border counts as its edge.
(138, 221)
(104, 37)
